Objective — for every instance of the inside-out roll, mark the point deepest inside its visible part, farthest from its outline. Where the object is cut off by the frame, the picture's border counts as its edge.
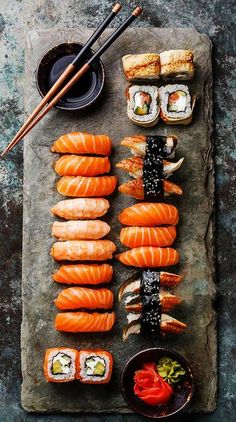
(177, 64)
(176, 104)
(142, 105)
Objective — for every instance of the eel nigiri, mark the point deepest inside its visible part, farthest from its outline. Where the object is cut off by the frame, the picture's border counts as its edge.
(151, 323)
(76, 230)
(82, 143)
(138, 144)
(86, 186)
(134, 284)
(149, 214)
(75, 165)
(79, 322)
(134, 166)
(83, 250)
(136, 303)
(139, 190)
(149, 256)
(81, 208)
(82, 297)
(83, 274)
(134, 237)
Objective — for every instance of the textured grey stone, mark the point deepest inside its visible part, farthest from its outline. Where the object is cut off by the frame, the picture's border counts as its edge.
(195, 231)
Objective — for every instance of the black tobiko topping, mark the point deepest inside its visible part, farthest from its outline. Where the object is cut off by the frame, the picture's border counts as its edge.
(153, 167)
(151, 312)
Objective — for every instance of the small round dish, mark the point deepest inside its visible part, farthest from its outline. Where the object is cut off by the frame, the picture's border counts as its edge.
(181, 397)
(85, 92)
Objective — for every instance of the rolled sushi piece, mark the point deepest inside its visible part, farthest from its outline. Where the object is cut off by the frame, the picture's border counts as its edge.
(176, 104)
(141, 66)
(142, 105)
(177, 64)
(60, 364)
(95, 366)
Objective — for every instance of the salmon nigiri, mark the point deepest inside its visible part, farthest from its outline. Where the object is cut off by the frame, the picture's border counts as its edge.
(81, 208)
(149, 214)
(82, 143)
(136, 189)
(76, 230)
(82, 297)
(86, 186)
(83, 274)
(149, 256)
(79, 322)
(83, 250)
(75, 165)
(134, 237)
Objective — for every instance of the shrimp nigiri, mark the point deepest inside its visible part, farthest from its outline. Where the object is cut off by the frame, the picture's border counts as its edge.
(82, 143)
(134, 237)
(86, 186)
(83, 250)
(149, 214)
(75, 165)
(82, 297)
(76, 230)
(83, 274)
(79, 322)
(149, 256)
(81, 208)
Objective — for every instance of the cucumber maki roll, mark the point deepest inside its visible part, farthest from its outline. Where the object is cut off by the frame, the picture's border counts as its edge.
(176, 104)
(142, 105)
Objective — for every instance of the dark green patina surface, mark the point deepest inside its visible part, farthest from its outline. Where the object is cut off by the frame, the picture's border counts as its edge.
(17, 17)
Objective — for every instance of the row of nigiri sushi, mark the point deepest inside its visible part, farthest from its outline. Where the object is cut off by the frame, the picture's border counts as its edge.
(147, 302)
(150, 171)
(145, 238)
(149, 167)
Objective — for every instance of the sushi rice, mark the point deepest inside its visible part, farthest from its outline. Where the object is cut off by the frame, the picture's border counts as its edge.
(164, 94)
(101, 358)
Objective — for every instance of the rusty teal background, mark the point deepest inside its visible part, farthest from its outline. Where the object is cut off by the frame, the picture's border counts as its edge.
(17, 17)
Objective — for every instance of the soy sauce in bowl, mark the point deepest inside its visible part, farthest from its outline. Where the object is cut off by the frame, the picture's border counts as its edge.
(85, 91)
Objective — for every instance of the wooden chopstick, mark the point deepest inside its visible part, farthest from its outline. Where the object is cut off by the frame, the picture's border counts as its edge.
(137, 11)
(69, 69)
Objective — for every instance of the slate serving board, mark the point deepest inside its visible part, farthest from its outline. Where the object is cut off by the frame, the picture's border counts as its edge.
(195, 230)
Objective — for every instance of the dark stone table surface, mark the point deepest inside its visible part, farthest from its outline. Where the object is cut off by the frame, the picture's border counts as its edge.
(17, 17)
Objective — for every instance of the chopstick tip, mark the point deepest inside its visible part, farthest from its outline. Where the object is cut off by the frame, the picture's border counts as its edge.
(116, 8)
(137, 11)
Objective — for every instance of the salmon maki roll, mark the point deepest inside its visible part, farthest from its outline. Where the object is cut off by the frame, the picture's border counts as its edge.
(75, 165)
(86, 186)
(83, 322)
(83, 274)
(82, 297)
(95, 366)
(148, 214)
(149, 256)
(134, 237)
(76, 230)
(139, 190)
(82, 143)
(60, 364)
(83, 250)
(81, 208)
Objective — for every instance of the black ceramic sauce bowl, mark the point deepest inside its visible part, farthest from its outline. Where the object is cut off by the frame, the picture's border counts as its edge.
(181, 397)
(85, 92)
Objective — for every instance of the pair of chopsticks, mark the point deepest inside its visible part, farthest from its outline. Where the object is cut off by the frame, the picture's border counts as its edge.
(50, 100)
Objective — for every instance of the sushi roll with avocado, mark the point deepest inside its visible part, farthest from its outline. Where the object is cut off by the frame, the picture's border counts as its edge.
(60, 364)
(142, 105)
(95, 366)
(176, 104)
(177, 64)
